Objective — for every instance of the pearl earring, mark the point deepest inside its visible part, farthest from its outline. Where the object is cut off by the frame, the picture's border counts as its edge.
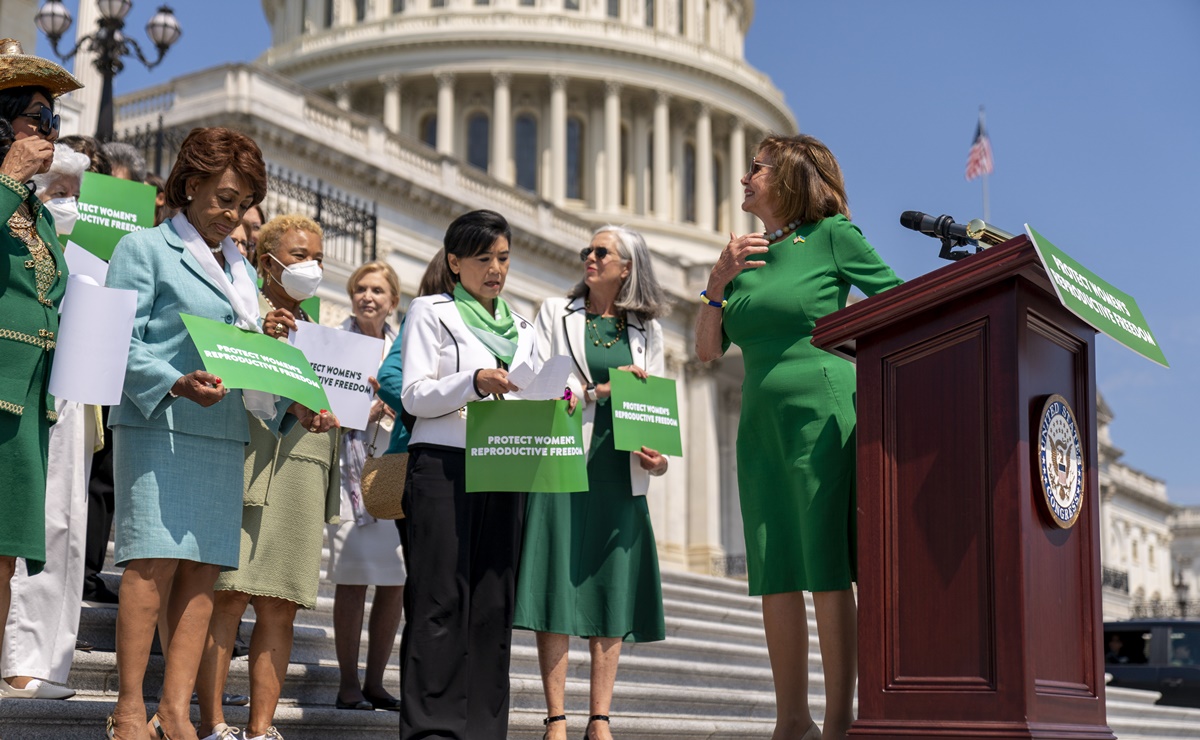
(189, 198)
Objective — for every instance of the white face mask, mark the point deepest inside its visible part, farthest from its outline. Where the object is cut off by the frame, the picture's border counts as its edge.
(65, 212)
(300, 280)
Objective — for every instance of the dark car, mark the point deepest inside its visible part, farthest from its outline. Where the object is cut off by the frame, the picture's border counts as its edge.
(1156, 655)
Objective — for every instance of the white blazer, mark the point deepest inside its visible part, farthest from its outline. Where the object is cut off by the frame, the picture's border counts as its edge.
(439, 357)
(561, 330)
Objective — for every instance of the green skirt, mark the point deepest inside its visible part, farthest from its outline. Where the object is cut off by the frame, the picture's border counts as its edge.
(24, 442)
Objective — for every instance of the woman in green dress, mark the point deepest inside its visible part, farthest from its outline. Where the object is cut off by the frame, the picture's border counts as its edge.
(35, 277)
(589, 566)
(795, 447)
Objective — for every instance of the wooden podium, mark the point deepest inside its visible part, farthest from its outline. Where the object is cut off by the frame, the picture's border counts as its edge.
(978, 616)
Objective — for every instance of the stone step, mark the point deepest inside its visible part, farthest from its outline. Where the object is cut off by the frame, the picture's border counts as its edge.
(83, 719)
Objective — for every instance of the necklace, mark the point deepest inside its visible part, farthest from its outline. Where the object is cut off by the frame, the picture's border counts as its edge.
(215, 250)
(594, 330)
(299, 311)
(778, 233)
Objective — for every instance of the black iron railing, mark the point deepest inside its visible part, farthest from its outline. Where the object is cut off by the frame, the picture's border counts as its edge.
(1117, 580)
(1166, 610)
(159, 145)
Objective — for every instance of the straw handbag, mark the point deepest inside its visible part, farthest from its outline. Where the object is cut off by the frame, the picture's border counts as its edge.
(382, 482)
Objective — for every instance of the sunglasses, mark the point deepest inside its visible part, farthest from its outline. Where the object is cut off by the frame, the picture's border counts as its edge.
(601, 253)
(755, 166)
(48, 122)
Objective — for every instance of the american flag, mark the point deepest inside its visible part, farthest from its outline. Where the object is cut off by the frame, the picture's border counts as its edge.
(979, 159)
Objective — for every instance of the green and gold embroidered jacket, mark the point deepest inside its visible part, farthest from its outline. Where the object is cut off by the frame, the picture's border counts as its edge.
(33, 279)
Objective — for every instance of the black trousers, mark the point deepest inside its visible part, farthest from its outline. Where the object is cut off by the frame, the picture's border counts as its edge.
(462, 551)
(100, 515)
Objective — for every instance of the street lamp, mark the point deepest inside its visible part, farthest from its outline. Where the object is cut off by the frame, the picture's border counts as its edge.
(109, 44)
(1181, 594)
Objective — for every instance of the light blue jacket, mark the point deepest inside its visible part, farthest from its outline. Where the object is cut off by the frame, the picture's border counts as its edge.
(169, 282)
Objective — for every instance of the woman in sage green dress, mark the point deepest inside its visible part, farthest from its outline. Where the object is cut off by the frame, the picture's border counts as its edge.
(795, 447)
(589, 566)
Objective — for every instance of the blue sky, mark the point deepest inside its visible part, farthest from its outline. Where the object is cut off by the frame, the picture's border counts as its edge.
(1092, 112)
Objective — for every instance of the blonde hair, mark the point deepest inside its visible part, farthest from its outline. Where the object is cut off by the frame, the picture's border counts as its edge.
(805, 179)
(272, 233)
(393, 280)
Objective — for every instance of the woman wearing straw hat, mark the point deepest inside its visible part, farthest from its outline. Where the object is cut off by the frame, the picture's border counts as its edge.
(36, 278)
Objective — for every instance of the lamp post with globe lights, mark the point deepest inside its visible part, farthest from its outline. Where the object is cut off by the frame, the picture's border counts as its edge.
(110, 45)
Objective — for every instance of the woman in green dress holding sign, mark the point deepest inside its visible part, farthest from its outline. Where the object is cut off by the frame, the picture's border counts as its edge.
(589, 566)
(795, 441)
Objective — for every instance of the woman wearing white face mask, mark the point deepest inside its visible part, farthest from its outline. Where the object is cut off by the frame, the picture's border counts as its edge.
(292, 490)
(39, 638)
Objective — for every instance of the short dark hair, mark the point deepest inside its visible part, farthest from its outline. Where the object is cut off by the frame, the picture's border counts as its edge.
(437, 278)
(13, 103)
(474, 233)
(208, 152)
(89, 146)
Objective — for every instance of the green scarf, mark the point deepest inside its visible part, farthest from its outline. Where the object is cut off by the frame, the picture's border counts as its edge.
(498, 333)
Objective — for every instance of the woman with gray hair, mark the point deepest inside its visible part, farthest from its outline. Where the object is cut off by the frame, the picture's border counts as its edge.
(589, 566)
(39, 637)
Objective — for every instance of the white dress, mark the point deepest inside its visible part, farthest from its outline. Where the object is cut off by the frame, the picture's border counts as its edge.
(367, 554)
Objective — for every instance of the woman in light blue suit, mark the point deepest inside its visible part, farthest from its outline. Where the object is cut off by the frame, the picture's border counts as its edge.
(179, 433)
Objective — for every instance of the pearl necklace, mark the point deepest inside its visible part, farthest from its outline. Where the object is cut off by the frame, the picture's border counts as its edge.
(216, 250)
(772, 236)
(299, 311)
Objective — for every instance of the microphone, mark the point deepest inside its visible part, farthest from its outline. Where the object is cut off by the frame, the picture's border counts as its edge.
(941, 227)
(986, 233)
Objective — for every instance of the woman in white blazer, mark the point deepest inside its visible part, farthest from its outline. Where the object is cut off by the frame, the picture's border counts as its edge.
(461, 548)
(589, 565)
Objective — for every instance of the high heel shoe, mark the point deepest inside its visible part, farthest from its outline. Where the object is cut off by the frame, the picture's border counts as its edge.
(162, 734)
(594, 718)
(110, 730)
(812, 733)
(549, 720)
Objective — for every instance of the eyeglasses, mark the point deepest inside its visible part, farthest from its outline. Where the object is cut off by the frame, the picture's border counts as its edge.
(755, 166)
(601, 253)
(48, 122)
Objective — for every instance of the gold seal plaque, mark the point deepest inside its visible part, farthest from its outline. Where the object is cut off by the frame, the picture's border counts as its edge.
(1060, 462)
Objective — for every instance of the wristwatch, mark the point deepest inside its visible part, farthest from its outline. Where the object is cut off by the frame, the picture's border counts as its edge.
(590, 392)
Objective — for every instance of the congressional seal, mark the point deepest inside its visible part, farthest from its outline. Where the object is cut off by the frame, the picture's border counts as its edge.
(1060, 462)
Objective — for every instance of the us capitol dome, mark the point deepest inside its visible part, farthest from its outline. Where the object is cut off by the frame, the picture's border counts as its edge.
(562, 115)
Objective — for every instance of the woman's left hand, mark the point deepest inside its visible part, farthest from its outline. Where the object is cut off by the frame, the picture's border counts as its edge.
(317, 423)
(278, 323)
(604, 390)
(652, 462)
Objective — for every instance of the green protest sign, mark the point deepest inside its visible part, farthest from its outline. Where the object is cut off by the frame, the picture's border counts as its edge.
(246, 359)
(110, 208)
(525, 446)
(1105, 308)
(645, 413)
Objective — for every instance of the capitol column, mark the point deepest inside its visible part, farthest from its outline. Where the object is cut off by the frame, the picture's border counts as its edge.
(612, 146)
(704, 169)
(501, 164)
(391, 102)
(445, 113)
(737, 167)
(662, 156)
(641, 161)
(558, 139)
(703, 468)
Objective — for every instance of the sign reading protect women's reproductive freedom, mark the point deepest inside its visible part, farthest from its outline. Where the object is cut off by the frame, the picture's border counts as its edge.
(345, 362)
(253, 361)
(524, 446)
(645, 413)
(110, 208)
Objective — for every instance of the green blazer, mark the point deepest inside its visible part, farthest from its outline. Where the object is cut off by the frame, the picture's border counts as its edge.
(28, 312)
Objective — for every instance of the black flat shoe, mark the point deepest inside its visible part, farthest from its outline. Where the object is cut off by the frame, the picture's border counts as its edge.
(364, 704)
(385, 702)
(594, 718)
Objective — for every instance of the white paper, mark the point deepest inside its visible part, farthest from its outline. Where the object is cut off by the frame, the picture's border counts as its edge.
(343, 361)
(94, 332)
(82, 262)
(546, 385)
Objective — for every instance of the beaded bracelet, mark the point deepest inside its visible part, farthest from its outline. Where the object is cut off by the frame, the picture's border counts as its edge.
(705, 299)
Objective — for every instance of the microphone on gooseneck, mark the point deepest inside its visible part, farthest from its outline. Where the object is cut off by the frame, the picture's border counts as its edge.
(942, 227)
